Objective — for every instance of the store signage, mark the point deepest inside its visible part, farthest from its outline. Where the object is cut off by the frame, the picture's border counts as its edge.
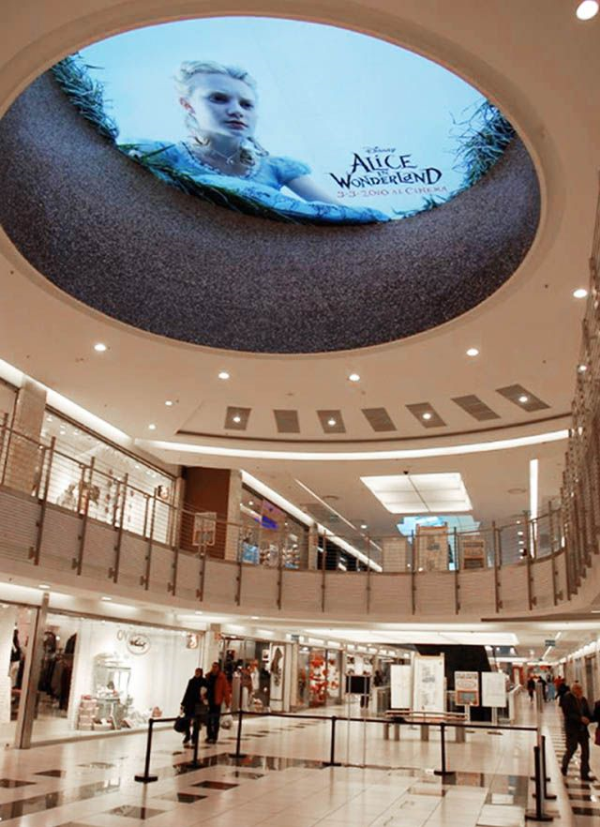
(429, 684)
(230, 110)
(550, 642)
(137, 643)
(401, 685)
(466, 688)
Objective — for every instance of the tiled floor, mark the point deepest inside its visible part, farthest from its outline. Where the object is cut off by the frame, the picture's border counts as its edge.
(282, 780)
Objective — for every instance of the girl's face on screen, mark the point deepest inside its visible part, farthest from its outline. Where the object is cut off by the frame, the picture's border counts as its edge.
(223, 105)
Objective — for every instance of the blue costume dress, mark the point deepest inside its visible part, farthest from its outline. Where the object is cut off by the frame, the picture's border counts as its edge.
(262, 183)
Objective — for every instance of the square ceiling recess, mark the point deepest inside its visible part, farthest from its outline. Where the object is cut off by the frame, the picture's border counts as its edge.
(421, 493)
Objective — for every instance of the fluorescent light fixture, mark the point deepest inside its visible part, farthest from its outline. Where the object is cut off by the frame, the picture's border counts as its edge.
(420, 493)
(224, 375)
(100, 347)
(44, 586)
(354, 377)
(587, 9)
(358, 456)
(580, 293)
(106, 599)
(472, 351)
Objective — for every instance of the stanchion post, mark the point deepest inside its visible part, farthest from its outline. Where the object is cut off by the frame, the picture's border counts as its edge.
(332, 762)
(538, 814)
(444, 771)
(195, 739)
(146, 778)
(547, 796)
(238, 740)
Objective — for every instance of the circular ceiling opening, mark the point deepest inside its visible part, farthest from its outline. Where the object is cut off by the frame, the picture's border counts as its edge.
(211, 181)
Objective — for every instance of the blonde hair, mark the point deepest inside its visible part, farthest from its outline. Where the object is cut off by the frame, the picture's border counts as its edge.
(250, 150)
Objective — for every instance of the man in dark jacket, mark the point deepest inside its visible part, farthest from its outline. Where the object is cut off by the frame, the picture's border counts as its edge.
(577, 717)
(191, 704)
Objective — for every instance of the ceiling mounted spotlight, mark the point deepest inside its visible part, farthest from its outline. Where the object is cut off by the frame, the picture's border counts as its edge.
(354, 377)
(169, 403)
(332, 423)
(364, 526)
(100, 347)
(580, 293)
(472, 351)
(237, 419)
(152, 427)
(427, 415)
(587, 9)
(523, 399)
(582, 368)
(224, 375)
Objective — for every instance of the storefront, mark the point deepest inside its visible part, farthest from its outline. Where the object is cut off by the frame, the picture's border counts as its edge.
(96, 676)
(270, 536)
(256, 670)
(114, 486)
(319, 677)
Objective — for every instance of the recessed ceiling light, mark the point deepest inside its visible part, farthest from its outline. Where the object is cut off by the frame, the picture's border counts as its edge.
(100, 347)
(106, 599)
(587, 9)
(331, 422)
(152, 426)
(223, 375)
(427, 415)
(169, 403)
(582, 368)
(472, 351)
(237, 418)
(580, 293)
(43, 586)
(523, 399)
(363, 525)
(354, 377)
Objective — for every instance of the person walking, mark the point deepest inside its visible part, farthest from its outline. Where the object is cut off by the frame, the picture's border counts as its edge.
(578, 715)
(218, 692)
(192, 704)
(530, 688)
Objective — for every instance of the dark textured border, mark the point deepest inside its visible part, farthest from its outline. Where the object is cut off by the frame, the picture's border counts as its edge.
(109, 234)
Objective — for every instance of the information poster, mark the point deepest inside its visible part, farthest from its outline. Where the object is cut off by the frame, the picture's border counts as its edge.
(429, 694)
(493, 689)
(473, 552)
(466, 688)
(401, 686)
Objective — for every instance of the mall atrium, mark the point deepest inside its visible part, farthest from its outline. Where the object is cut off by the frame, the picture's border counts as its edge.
(299, 370)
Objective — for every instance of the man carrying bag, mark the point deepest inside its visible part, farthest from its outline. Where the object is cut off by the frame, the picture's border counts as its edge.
(577, 717)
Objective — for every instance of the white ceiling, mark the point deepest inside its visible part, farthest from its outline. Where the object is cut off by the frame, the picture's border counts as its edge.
(534, 59)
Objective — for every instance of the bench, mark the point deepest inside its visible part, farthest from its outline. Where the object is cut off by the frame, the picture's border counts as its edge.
(396, 717)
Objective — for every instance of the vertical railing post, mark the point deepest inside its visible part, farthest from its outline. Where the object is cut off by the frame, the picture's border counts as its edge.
(44, 504)
(324, 568)
(85, 515)
(114, 571)
(413, 575)
(5, 447)
(174, 545)
(280, 577)
(240, 569)
(332, 762)
(147, 576)
(530, 597)
(456, 572)
(369, 575)
(496, 537)
(238, 739)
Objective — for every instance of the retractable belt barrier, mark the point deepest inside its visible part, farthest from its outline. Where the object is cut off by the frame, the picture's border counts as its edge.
(539, 749)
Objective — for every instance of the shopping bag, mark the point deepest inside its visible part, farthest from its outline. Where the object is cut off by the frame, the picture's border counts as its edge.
(226, 720)
(181, 724)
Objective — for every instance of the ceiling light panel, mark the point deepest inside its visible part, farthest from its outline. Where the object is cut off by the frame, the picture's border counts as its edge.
(379, 419)
(475, 407)
(514, 393)
(331, 422)
(427, 416)
(421, 493)
(287, 421)
(236, 419)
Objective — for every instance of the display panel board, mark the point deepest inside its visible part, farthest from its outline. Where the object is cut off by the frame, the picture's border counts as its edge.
(401, 676)
(493, 689)
(466, 688)
(429, 684)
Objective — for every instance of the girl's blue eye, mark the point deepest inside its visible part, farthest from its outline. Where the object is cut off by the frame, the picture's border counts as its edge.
(247, 104)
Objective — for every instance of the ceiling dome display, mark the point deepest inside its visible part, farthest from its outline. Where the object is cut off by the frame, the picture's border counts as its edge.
(209, 181)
